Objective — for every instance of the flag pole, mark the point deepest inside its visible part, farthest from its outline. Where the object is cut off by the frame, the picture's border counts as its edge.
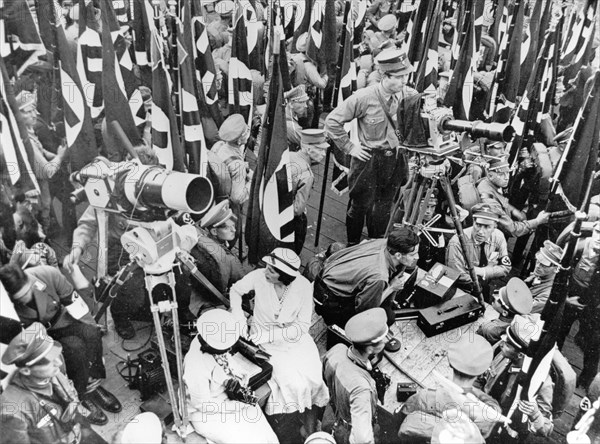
(335, 97)
(323, 191)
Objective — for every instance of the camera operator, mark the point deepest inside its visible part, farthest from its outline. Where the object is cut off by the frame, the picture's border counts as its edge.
(131, 301)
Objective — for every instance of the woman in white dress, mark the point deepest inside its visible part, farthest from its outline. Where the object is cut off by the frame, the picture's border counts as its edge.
(280, 323)
(217, 408)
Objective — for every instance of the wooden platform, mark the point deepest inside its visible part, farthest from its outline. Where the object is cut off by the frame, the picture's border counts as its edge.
(421, 356)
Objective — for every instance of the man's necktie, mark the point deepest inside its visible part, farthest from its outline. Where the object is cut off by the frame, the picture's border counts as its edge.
(483, 260)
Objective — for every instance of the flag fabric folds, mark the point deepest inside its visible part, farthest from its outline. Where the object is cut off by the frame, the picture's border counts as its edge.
(579, 48)
(346, 85)
(426, 74)
(89, 58)
(165, 134)
(270, 220)
(79, 131)
(460, 89)
(116, 99)
(508, 72)
(14, 163)
(193, 134)
(240, 87)
(580, 153)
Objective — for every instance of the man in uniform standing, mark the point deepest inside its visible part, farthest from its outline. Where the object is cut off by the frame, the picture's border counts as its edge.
(313, 147)
(469, 357)
(307, 74)
(354, 385)
(295, 110)
(486, 250)
(377, 167)
(234, 133)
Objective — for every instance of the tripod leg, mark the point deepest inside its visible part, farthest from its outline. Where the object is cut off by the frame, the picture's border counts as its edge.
(461, 235)
(178, 356)
(154, 309)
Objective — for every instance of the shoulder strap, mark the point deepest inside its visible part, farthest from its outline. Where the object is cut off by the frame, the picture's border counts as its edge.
(387, 114)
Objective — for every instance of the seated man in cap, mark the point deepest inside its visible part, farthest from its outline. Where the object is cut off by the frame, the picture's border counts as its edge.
(40, 404)
(220, 405)
(212, 253)
(354, 384)
(305, 72)
(365, 276)
(512, 222)
(295, 110)
(313, 148)
(500, 380)
(511, 300)
(378, 167)
(469, 357)
(582, 303)
(234, 133)
(42, 294)
(540, 281)
(486, 250)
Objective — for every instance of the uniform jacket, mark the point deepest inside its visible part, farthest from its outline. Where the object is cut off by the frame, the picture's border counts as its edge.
(540, 290)
(495, 249)
(494, 329)
(361, 272)
(51, 293)
(85, 237)
(25, 420)
(586, 272)
(217, 263)
(423, 409)
(500, 381)
(490, 193)
(353, 393)
(374, 130)
(238, 170)
(302, 180)
(306, 72)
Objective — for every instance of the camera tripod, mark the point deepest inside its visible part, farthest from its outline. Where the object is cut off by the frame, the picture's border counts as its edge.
(425, 175)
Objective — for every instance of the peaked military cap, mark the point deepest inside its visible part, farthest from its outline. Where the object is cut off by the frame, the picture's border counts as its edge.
(394, 61)
(31, 346)
(470, 355)
(232, 128)
(516, 297)
(367, 327)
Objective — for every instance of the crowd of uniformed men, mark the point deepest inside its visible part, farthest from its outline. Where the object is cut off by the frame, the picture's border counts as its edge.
(54, 394)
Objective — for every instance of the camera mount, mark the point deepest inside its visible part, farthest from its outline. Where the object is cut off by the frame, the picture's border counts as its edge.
(432, 166)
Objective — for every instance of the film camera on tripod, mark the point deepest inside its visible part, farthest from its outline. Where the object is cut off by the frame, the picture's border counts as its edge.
(433, 136)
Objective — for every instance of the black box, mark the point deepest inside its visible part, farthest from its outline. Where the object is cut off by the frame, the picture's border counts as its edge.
(405, 390)
(449, 315)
